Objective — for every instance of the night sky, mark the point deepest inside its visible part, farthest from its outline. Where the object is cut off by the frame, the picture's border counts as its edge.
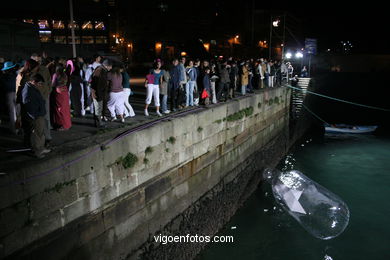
(365, 24)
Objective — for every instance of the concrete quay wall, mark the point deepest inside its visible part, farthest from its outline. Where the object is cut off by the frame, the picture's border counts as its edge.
(109, 204)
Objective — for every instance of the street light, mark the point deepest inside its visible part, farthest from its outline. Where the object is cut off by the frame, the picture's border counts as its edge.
(299, 55)
(275, 23)
(288, 55)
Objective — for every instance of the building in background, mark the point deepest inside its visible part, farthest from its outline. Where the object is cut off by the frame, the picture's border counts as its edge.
(48, 25)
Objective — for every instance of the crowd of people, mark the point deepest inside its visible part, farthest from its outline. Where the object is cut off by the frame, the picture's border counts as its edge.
(43, 93)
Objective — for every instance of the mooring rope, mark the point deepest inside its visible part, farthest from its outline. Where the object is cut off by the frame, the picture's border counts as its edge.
(314, 114)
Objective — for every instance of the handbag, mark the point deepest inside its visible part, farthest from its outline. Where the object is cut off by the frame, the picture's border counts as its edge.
(205, 94)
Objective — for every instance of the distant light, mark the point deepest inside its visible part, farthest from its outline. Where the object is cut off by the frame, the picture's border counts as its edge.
(183, 53)
(282, 44)
(288, 55)
(113, 36)
(276, 23)
(237, 36)
(299, 55)
(302, 49)
(206, 46)
(109, 15)
(328, 49)
(129, 45)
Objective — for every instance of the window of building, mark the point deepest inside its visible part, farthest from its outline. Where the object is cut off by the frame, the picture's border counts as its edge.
(58, 25)
(43, 24)
(77, 39)
(28, 21)
(87, 25)
(99, 26)
(45, 36)
(59, 39)
(101, 40)
(74, 25)
(87, 39)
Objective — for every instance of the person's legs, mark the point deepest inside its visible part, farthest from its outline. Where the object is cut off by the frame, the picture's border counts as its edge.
(213, 92)
(82, 103)
(173, 98)
(243, 89)
(126, 95)
(105, 111)
(98, 110)
(220, 90)
(156, 96)
(111, 104)
(37, 135)
(119, 104)
(47, 120)
(149, 93)
(164, 100)
(89, 98)
(191, 92)
(226, 90)
(181, 95)
(128, 108)
(187, 87)
(26, 126)
(11, 104)
(196, 94)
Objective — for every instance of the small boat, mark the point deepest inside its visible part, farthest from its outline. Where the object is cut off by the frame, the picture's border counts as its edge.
(349, 129)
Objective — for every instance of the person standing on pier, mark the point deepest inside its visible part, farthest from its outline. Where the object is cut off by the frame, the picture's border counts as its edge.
(174, 84)
(152, 83)
(45, 91)
(190, 85)
(35, 111)
(129, 111)
(116, 103)
(99, 87)
(8, 82)
(244, 78)
(60, 100)
(164, 91)
(183, 82)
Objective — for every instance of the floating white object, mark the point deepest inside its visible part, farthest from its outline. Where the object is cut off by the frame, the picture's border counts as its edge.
(234, 227)
(321, 212)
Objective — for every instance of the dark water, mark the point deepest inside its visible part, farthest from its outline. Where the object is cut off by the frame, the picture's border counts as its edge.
(357, 168)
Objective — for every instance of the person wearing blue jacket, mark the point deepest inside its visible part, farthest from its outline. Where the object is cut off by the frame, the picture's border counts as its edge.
(33, 113)
(190, 86)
